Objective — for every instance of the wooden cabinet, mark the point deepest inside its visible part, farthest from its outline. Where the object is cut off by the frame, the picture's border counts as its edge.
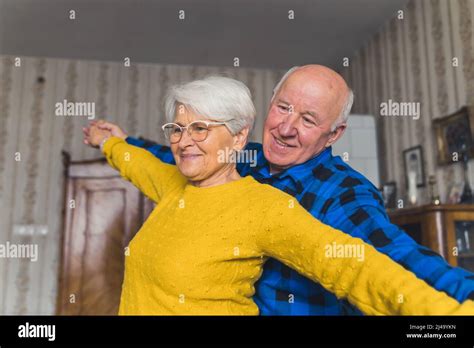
(447, 229)
(102, 213)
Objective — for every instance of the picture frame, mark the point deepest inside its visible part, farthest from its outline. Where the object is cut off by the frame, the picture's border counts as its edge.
(453, 132)
(413, 160)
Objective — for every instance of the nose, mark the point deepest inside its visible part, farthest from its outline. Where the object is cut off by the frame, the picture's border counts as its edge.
(287, 128)
(185, 140)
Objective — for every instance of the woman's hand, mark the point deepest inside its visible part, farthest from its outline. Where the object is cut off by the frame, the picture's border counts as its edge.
(93, 135)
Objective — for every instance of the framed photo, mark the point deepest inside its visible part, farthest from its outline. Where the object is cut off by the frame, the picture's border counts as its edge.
(389, 194)
(454, 134)
(413, 159)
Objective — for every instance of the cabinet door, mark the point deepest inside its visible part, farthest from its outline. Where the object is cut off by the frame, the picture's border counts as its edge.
(102, 214)
(425, 229)
(460, 236)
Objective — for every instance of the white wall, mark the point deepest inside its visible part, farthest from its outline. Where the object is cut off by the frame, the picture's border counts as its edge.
(359, 146)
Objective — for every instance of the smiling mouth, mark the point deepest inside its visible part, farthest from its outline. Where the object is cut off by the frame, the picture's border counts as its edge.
(188, 156)
(281, 143)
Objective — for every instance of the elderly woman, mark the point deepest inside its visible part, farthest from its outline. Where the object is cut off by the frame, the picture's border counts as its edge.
(202, 248)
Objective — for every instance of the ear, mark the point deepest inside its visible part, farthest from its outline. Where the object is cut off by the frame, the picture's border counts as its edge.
(240, 139)
(336, 134)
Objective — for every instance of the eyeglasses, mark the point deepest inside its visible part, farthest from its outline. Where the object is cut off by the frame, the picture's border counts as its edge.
(197, 130)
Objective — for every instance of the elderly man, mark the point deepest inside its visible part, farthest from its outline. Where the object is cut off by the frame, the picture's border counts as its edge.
(307, 114)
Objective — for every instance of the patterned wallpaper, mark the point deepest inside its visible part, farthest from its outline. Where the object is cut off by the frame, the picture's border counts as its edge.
(31, 188)
(411, 60)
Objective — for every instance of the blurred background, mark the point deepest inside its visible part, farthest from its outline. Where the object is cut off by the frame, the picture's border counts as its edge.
(122, 55)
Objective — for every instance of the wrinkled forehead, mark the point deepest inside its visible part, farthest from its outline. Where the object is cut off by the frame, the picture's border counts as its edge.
(321, 93)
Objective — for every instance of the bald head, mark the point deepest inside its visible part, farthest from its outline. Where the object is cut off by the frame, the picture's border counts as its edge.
(322, 80)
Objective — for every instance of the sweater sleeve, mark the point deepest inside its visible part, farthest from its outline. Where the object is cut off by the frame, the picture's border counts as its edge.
(149, 174)
(347, 266)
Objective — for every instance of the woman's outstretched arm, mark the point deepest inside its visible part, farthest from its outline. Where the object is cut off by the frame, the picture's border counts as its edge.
(347, 266)
(151, 176)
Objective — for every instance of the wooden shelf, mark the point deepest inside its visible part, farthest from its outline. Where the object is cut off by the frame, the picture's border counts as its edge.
(423, 209)
(434, 226)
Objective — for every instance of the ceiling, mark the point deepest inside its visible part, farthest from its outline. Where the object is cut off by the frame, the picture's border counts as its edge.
(213, 32)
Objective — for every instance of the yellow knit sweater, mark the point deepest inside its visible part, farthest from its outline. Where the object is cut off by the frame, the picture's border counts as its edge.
(202, 249)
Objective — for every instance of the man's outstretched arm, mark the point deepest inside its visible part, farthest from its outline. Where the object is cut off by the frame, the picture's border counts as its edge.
(364, 217)
(163, 152)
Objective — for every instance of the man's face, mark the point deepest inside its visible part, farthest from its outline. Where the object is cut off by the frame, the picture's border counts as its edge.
(299, 121)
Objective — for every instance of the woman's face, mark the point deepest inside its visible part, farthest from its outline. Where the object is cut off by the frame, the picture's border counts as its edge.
(199, 161)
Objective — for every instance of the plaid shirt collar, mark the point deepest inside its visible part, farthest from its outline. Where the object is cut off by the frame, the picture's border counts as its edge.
(298, 174)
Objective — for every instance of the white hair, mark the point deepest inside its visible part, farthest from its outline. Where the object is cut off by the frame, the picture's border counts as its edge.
(346, 109)
(215, 97)
(282, 81)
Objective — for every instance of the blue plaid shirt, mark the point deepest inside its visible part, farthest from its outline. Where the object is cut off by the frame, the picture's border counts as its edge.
(339, 196)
